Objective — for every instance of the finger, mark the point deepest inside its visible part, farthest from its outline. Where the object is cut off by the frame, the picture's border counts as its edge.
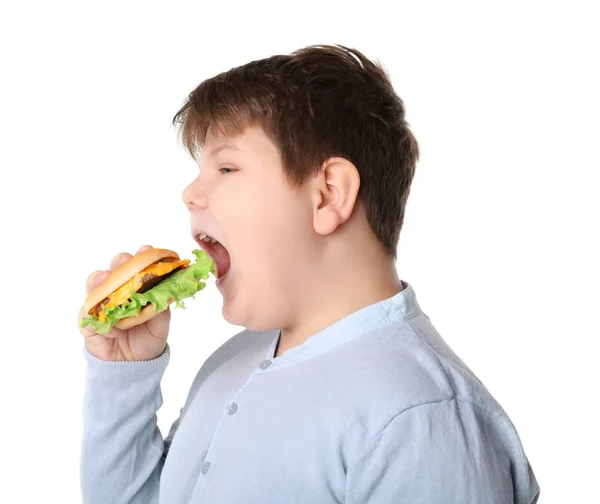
(95, 279)
(119, 259)
(159, 325)
(142, 248)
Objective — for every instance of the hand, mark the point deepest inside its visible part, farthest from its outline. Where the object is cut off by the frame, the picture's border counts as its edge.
(146, 341)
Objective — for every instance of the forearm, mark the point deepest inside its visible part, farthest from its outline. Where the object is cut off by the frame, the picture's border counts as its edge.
(122, 447)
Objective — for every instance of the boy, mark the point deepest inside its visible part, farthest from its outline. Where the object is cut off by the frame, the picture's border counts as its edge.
(340, 390)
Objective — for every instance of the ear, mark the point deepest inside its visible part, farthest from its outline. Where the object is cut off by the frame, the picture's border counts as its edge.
(335, 191)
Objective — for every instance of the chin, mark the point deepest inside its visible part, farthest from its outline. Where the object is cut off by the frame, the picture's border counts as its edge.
(233, 316)
(245, 320)
(227, 315)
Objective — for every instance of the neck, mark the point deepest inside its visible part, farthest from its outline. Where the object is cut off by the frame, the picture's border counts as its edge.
(341, 286)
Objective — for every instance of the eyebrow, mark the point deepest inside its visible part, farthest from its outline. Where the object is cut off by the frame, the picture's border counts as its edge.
(223, 147)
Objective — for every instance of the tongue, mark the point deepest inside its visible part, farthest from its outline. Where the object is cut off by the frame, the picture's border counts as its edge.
(221, 258)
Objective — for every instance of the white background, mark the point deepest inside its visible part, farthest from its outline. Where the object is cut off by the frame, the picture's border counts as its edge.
(501, 233)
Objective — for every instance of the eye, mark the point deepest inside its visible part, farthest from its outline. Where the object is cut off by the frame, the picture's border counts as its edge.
(228, 170)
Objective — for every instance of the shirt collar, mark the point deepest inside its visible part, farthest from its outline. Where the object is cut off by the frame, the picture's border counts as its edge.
(402, 305)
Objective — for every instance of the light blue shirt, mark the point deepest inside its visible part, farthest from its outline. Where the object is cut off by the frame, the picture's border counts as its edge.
(374, 409)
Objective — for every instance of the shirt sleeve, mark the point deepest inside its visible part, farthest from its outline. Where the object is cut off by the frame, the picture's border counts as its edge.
(450, 452)
(122, 450)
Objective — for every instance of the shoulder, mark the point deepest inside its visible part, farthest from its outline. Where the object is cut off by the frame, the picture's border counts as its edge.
(409, 364)
(454, 417)
(395, 368)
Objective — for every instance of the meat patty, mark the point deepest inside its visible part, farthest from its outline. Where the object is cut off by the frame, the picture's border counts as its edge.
(148, 281)
(145, 283)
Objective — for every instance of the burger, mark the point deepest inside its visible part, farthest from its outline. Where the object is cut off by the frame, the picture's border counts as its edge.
(143, 287)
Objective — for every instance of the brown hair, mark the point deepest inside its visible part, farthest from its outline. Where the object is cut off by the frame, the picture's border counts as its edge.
(315, 103)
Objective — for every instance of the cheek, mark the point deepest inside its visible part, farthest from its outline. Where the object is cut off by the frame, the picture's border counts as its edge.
(273, 247)
(268, 226)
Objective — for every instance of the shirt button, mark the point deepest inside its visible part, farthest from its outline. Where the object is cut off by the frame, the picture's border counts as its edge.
(264, 364)
(232, 408)
(205, 467)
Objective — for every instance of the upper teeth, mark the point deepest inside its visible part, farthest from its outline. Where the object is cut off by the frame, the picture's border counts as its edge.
(206, 238)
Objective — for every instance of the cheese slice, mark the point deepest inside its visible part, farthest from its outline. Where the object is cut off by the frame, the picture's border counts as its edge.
(122, 294)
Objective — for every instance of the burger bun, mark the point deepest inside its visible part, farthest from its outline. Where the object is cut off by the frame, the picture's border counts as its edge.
(122, 274)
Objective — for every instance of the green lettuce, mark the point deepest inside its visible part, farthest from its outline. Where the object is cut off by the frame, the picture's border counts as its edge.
(180, 285)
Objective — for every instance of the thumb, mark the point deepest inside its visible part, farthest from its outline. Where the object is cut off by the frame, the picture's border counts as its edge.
(159, 325)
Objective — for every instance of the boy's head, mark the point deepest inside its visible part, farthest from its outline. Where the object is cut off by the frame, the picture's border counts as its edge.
(306, 163)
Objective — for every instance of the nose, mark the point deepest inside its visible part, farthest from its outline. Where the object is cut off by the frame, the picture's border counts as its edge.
(194, 195)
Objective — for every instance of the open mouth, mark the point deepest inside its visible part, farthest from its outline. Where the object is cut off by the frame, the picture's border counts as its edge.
(217, 252)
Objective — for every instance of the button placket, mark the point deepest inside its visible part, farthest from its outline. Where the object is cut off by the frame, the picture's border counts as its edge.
(231, 409)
